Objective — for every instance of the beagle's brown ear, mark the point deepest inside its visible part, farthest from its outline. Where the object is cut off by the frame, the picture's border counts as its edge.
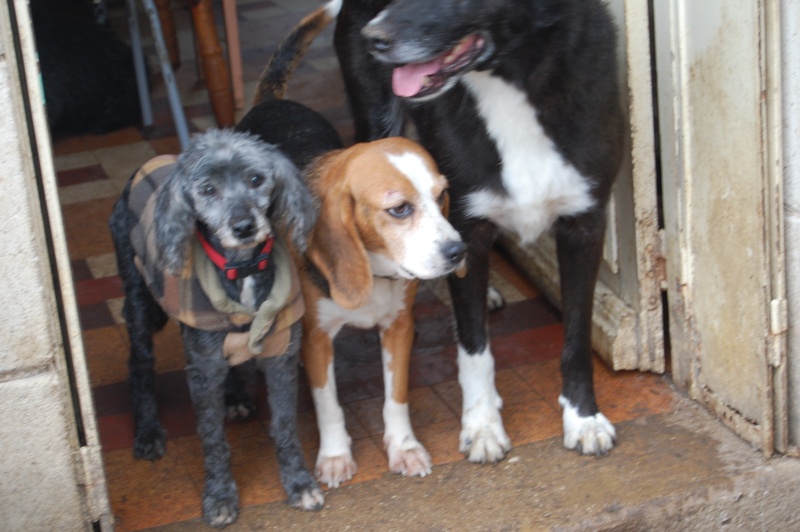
(335, 246)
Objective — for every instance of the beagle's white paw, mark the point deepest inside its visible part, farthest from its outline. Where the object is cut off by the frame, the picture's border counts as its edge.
(408, 457)
(333, 470)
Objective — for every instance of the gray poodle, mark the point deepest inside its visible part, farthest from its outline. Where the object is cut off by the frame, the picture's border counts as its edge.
(202, 238)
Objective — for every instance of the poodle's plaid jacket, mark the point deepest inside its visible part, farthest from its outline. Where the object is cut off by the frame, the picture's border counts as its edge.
(195, 296)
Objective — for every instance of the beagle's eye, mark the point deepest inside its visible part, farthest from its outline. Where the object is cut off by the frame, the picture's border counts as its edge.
(256, 181)
(208, 190)
(404, 210)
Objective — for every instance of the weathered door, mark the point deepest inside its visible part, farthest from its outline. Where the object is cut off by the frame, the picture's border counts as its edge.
(628, 322)
(718, 72)
(52, 470)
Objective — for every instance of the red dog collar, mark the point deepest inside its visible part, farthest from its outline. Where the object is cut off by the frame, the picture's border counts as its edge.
(241, 269)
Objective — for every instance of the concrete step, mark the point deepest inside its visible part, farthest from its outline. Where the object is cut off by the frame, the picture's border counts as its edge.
(677, 471)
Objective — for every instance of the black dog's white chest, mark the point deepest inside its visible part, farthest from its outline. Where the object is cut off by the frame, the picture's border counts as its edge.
(540, 184)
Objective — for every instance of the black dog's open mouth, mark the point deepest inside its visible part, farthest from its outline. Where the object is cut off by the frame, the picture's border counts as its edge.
(417, 80)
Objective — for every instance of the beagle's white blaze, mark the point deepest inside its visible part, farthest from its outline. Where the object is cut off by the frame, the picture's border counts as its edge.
(422, 250)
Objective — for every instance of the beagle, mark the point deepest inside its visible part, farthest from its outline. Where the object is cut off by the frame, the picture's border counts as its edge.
(381, 229)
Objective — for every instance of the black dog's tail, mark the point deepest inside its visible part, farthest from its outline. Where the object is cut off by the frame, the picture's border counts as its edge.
(275, 77)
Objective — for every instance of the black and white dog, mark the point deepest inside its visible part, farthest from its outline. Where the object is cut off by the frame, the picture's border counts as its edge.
(518, 102)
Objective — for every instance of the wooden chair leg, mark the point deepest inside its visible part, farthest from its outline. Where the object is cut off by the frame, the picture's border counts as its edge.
(216, 70)
(168, 31)
(234, 51)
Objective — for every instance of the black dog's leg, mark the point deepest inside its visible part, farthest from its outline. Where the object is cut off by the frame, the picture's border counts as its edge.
(143, 317)
(238, 403)
(377, 113)
(206, 370)
(483, 437)
(580, 248)
(281, 376)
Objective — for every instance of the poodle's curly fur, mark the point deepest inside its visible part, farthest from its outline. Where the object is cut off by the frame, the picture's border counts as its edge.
(241, 191)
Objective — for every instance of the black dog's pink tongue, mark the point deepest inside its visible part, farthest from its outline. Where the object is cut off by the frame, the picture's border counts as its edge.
(408, 80)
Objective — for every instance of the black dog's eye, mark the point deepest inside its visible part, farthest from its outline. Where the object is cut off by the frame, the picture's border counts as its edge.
(256, 181)
(441, 198)
(404, 210)
(208, 190)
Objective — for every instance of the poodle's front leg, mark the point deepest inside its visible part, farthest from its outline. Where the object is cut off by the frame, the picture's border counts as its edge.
(206, 370)
(281, 375)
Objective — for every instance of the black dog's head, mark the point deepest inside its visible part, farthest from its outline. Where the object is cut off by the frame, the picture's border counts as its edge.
(433, 43)
(239, 188)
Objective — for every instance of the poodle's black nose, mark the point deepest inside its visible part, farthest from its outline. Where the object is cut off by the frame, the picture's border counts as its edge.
(244, 228)
(454, 251)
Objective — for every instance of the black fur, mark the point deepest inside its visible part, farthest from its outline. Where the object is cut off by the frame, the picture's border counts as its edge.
(561, 54)
(87, 70)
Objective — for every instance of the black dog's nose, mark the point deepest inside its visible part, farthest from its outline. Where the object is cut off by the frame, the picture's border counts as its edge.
(243, 228)
(454, 251)
(377, 39)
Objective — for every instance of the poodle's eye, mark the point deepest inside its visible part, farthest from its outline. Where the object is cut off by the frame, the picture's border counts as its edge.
(256, 181)
(404, 210)
(208, 190)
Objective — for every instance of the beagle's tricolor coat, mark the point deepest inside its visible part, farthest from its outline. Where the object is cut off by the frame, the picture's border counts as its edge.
(381, 228)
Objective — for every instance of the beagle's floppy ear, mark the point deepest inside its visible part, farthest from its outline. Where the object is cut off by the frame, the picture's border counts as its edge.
(335, 246)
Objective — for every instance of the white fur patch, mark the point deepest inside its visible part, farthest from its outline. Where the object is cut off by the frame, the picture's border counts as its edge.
(385, 302)
(333, 8)
(482, 434)
(335, 462)
(587, 435)
(422, 242)
(406, 454)
(541, 184)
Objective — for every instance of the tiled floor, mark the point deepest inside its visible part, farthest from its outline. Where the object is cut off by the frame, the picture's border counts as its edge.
(527, 333)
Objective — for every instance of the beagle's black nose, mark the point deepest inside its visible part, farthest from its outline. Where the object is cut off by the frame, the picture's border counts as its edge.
(454, 251)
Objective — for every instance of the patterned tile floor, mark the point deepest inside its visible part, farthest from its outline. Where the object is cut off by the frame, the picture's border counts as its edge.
(527, 333)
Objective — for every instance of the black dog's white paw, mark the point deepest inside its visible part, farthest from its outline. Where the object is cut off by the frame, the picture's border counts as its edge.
(150, 443)
(586, 434)
(494, 299)
(239, 410)
(238, 403)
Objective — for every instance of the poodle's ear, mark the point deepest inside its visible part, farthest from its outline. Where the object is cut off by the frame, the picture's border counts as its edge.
(174, 222)
(292, 205)
(336, 249)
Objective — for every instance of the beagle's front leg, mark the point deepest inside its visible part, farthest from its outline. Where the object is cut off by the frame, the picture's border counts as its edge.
(407, 456)
(335, 462)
